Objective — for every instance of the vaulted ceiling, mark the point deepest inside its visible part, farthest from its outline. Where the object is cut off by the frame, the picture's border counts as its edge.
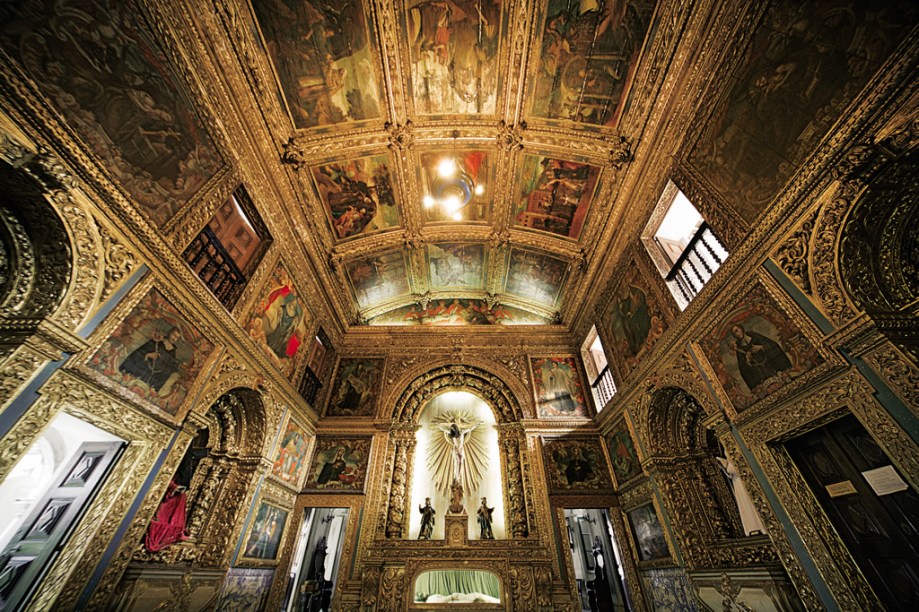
(560, 123)
(524, 110)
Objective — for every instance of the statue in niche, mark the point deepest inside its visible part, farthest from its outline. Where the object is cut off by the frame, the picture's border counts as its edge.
(427, 520)
(318, 567)
(457, 455)
(168, 526)
(749, 517)
(484, 513)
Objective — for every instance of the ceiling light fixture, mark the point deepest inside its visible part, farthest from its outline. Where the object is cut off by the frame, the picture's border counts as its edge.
(453, 186)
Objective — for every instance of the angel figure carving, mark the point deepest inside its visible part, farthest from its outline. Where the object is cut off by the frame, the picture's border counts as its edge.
(457, 451)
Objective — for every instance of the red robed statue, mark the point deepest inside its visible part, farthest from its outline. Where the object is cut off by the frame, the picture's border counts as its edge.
(168, 526)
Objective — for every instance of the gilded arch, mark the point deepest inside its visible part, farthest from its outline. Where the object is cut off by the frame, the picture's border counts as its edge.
(511, 441)
(426, 386)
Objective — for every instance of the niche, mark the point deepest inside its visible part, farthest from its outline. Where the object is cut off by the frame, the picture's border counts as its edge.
(449, 587)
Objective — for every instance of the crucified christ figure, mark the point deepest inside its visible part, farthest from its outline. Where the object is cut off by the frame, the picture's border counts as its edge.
(457, 436)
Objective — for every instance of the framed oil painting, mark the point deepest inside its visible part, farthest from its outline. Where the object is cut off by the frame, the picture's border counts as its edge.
(278, 323)
(378, 278)
(358, 195)
(339, 465)
(118, 91)
(356, 385)
(453, 48)
(648, 533)
(155, 352)
(458, 311)
(289, 458)
(756, 349)
(626, 465)
(323, 55)
(265, 536)
(576, 465)
(535, 276)
(558, 385)
(245, 589)
(456, 266)
(554, 195)
(590, 51)
(636, 319)
(775, 111)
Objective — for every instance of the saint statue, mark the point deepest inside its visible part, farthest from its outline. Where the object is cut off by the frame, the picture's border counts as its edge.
(484, 514)
(427, 520)
(749, 517)
(168, 526)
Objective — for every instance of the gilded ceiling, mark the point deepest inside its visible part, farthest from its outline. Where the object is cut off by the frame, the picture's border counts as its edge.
(447, 161)
(502, 250)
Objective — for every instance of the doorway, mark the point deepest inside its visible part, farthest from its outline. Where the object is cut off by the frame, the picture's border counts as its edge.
(315, 566)
(596, 560)
(874, 511)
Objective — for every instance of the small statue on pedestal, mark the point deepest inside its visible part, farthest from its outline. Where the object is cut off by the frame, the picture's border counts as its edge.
(427, 520)
(484, 513)
(456, 498)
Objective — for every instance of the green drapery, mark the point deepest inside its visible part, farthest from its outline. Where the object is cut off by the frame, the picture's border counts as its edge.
(447, 582)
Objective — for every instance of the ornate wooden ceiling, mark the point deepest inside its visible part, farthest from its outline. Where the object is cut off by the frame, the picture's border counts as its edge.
(529, 106)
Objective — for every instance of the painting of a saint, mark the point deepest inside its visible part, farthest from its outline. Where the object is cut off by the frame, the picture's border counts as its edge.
(589, 55)
(378, 278)
(323, 55)
(453, 49)
(155, 352)
(806, 63)
(559, 392)
(534, 276)
(291, 453)
(622, 452)
(756, 350)
(265, 536)
(355, 390)
(456, 266)
(102, 70)
(278, 322)
(339, 464)
(576, 465)
(648, 533)
(555, 195)
(636, 321)
(358, 195)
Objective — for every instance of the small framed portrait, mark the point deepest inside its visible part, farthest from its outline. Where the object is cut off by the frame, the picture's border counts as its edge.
(575, 465)
(626, 464)
(648, 533)
(265, 536)
(559, 390)
(339, 464)
(290, 455)
(356, 385)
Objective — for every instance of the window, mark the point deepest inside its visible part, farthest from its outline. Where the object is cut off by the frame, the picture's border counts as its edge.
(310, 384)
(601, 379)
(682, 245)
(227, 251)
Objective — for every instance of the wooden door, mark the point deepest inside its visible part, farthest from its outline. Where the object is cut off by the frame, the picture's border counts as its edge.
(881, 531)
(45, 530)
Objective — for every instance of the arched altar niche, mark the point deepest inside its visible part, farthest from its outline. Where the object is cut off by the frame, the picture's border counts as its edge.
(683, 459)
(425, 481)
(226, 455)
(512, 449)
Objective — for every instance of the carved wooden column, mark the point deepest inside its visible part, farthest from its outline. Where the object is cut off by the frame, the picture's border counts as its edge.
(518, 514)
(401, 450)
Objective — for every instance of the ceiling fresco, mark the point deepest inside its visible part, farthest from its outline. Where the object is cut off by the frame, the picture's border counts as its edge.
(471, 208)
